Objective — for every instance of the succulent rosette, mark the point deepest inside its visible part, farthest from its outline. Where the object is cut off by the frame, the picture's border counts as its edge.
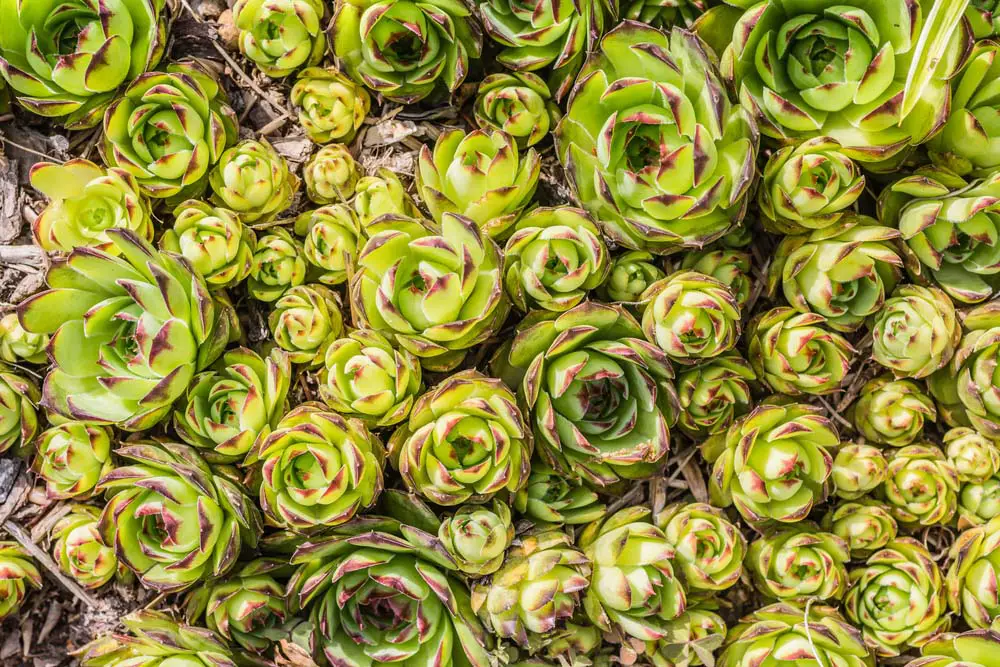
(657, 167)
(331, 175)
(972, 374)
(17, 345)
(916, 332)
(366, 378)
(18, 419)
(172, 519)
(976, 647)
(691, 316)
(79, 549)
(17, 573)
(480, 175)
(811, 635)
(333, 237)
(406, 50)
(331, 106)
(549, 497)
(218, 245)
(465, 440)
(72, 457)
(693, 638)
(799, 562)
(921, 487)
(880, 87)
(224, 410)
(155, 639)
(517, 103)
(665, 14)
(892, 412)
(858, 469)
(714, 394)
(708, 549)
(898, 598)
(305, 322)
(384, 194)
(129, 332)
(795, 353)
(67, 60)
(436, 292)
(631, 273)
(168, 129)
(386, 594)
(600, 396)
(537, 590)
(278, 264)
(543, 34)
(775, 463)
(85, 200)
(253, 180)
(969, 143)
(973, 573)
(808, 187)
(554, 257)
(729, 266)
(843, 271)
(950, 229)
(280, 36)
(247, 608)
(975, 457)
(865, 525)
(633, 590)
(477, 536)
(978, 503)
(317, 469)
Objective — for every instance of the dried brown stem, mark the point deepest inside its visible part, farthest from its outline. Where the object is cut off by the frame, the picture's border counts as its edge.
(282, 113)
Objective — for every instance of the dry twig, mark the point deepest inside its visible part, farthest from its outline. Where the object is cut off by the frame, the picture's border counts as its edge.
(29, 150)
(282, 113)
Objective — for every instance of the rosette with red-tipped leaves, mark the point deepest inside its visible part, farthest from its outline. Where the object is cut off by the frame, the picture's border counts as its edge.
(172, 519)
(129, 332)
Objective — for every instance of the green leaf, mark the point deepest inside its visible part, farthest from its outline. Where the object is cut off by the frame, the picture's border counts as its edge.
(931, 50)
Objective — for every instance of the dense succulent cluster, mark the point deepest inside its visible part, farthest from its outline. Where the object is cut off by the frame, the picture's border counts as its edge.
(435, 333)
